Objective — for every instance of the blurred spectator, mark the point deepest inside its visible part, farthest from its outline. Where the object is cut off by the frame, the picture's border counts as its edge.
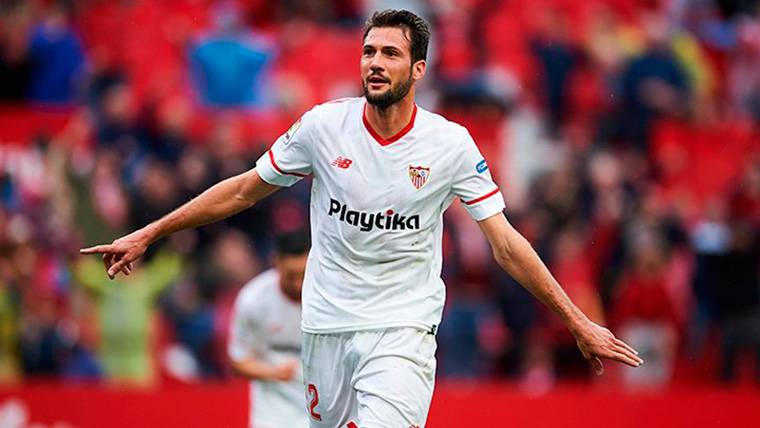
(107, 193)
(9, 361)
(518, 312)
(737, 302)
(711, 240)
(231, 262)
(57, 57)
(43, 344)
(744, 72)
(195, 172)
(558, 58)
(609, 43)
(115, 112)
(188, 309)
(49, 335)
(15, 66)
(127, 314)
(167, 134)
(156, 193)
(464, 357)
(229, 65)
(745, 202)
(727, 281)
(557, 200)
(100, 207)
(644, 315)
(608, 201)
(653, 83)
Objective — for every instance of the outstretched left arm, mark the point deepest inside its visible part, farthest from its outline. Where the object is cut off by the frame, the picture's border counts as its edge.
(515, 255)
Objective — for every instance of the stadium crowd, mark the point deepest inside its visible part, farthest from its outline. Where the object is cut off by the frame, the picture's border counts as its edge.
(624, 134)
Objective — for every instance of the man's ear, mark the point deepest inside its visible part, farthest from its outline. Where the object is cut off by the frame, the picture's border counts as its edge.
(418, 69)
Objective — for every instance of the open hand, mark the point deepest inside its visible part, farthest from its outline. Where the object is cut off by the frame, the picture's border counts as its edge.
(596, 342)
(119, 255)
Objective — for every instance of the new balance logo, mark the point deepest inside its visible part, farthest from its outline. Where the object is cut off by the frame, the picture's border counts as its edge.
(342, 162)
(367, 221)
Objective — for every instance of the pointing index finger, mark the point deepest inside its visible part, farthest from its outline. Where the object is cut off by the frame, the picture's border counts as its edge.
(98, 249)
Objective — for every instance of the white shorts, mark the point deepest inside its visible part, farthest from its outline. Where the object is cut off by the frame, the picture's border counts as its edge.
(369, 379)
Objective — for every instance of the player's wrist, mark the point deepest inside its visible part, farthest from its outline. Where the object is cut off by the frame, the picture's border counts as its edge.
(578, 324)
(151, 233)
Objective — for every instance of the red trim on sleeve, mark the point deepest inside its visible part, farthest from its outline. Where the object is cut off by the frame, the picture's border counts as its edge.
(486, 196)
(386, 141)
(274, 164)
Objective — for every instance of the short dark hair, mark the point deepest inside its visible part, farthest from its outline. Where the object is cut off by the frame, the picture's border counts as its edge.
(419, 30)
(292, 243)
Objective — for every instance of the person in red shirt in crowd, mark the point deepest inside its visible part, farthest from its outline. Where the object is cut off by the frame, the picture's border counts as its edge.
(645, 313)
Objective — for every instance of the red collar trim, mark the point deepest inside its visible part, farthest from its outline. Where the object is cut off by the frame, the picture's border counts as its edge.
(386, 141)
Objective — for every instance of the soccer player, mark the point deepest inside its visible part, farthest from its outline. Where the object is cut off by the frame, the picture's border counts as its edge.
(384, 171)
(265, 337)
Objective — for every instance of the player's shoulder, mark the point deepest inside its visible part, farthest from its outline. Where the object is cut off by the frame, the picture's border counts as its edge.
(446, 130)
(257, 290)
(336, 107)
(331, 114)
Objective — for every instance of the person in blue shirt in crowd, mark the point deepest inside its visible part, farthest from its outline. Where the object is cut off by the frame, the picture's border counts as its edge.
(57, 58)
(229, 66)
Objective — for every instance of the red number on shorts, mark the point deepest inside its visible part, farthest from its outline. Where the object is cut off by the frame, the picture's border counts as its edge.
(314, 402)
(351, 425)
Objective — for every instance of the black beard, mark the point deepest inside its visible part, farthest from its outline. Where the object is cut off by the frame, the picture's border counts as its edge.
(393, 95)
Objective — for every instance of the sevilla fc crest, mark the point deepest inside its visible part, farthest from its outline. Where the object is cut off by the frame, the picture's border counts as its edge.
(419, 175)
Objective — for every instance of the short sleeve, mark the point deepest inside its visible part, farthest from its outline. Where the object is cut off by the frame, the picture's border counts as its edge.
(290, 157)
(473, 183)
(246, 334)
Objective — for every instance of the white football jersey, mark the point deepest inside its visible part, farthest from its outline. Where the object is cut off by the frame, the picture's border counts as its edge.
(377, 212)
(266, 325)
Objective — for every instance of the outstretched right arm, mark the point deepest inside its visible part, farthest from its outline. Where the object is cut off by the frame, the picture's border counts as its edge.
(226, 198)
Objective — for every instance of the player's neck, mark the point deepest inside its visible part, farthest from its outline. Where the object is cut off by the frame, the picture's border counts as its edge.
(391, 120)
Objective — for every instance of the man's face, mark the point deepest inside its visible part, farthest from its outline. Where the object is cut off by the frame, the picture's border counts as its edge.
(386, 66)
(291, 269)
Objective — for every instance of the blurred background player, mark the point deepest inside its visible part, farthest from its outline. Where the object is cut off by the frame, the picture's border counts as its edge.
(265, 336)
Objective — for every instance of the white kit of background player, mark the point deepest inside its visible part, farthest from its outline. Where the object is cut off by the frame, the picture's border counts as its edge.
(266, 325)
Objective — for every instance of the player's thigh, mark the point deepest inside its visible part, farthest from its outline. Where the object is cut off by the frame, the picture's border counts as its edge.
(394, 382)
(330, 400)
